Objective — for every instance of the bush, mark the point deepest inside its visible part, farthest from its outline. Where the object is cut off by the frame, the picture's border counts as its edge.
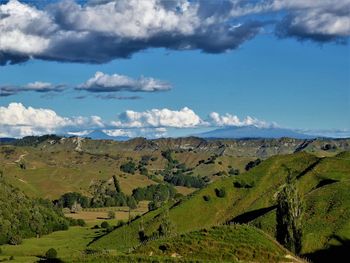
(233, 171)
(206, 198)
(154, 205)
(51, 254)
(129, 167)
(104, 224)
(252, 164)
(220, 192)
(242, 184)
(81, 222)
(111, 214)
(15, 240)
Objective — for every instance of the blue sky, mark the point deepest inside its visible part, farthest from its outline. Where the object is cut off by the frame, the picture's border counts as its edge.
(299, 84)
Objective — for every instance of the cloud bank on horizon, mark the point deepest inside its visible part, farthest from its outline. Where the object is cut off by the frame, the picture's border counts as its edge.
(16, 120)
(100, 31)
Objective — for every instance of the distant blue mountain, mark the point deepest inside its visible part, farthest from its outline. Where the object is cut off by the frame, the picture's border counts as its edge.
(5, 139)
(100, 135)
(253, 132)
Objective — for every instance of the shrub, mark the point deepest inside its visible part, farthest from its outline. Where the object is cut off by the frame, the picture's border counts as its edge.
(129, 167)
(242, 184)
(111, 214)
(220, 192)
(15, 240)
(104, 224)
(252, 164)
(51, 253)
(233, 171)
(81, 222)
(206, 198)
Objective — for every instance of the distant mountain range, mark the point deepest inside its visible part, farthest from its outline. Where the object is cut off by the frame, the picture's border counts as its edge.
(222, 133)
(253, 132)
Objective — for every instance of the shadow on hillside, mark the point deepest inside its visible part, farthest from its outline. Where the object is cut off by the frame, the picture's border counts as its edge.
(339, 253)
(251, 215)
(309, 168)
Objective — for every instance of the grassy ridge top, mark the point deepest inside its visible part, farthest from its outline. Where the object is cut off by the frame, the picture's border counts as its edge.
(237, 243)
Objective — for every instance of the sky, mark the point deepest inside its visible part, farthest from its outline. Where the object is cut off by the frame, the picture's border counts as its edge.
(173, 68)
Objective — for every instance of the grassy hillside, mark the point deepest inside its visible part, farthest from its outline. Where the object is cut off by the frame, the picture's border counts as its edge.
(237, 243)
(254, 201)
(49, 166)
(21, 217)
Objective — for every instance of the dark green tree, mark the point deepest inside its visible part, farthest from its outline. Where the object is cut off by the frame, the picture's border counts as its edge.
(51, 254)
(166, 227)
(116, 184)
(289, 215)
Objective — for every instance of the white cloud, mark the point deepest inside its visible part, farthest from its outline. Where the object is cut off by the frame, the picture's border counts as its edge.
(138, 132)
(37, 86)
(105, 30)
(215, 119)
(100, 32)
(111, 83)
(184, 118)
(17, 121)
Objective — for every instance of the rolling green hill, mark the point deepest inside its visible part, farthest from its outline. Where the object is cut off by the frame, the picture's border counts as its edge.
(237, 243)
(250, 198)
(51, 166)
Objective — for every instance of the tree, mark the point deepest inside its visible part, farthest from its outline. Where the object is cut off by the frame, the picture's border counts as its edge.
(104, 224)
(111, 214)
(76, 207)
(51, 254)
(252, 164)
(166, 227)
(129, 167)
(132, 204)
(116, 184)
(289, 216)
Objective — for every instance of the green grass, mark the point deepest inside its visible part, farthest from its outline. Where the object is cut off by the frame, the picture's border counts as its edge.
(237, 243)
(69, 244)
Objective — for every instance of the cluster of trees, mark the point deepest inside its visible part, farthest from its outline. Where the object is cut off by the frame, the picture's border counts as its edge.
(180, 179)
(158, 192)
(102, 196)
(178, 174)
(21, 217)
(35, 140)
(129, 167)
(252, 164)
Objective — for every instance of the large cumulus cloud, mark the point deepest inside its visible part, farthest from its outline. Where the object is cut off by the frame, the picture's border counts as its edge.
(100, 32)
(16, 120)
(156, 118)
